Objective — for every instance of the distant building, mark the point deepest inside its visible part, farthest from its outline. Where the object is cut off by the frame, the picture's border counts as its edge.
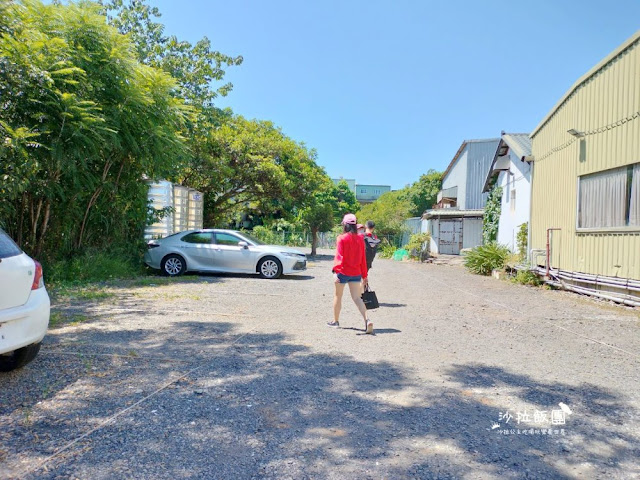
(364, 193)
(456, 220)
(370, 193)
(350, 181)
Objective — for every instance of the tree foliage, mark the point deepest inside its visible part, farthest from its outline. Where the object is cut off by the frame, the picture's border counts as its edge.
(389, 212)
(326, 207)
(195, 67)
(491, 217)
(83, 121)
(423, 194)
(251, 166)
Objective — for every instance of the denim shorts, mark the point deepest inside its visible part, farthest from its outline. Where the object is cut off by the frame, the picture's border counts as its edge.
(346, 278)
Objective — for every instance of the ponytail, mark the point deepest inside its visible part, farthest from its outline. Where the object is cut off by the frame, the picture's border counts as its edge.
(350, 228)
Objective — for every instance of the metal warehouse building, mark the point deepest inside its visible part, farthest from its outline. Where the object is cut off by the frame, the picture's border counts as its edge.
(586, 178)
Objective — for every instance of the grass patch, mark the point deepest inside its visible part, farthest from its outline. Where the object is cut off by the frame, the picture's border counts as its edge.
(91, 267)
(56, 319)
(60, 319)
(87, 293)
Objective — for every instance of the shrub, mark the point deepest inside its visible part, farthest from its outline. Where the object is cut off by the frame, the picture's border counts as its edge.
(522, 239)
(266, 235)
(386, 250)
(527, 277)
(485, 258)
(92, 266)
(417, 243)
(296, 239)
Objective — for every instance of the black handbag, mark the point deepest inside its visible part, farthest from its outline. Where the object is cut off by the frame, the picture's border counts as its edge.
(369, 298)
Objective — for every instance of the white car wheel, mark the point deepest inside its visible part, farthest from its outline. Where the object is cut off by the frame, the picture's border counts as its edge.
(270, 267)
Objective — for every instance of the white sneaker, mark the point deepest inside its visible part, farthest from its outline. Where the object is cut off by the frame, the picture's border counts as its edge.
(369, 327)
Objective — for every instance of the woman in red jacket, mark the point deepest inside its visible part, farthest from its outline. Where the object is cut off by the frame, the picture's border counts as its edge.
(349, 268)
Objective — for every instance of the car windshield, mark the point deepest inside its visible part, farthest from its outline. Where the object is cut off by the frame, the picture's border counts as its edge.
(252, 239)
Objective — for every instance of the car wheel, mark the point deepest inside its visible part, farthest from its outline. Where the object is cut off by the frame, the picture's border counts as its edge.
(19, 358)
(173, 265)
(270, 267)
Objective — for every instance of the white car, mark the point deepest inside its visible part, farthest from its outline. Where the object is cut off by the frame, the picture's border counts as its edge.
(24, 306)
(213, 250)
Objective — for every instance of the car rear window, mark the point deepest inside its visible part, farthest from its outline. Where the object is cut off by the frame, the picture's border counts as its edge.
(8, 248)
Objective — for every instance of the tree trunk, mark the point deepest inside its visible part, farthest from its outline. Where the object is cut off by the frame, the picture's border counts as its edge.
(45, 225)
(314, 241)
(107, 166)
(23, 201)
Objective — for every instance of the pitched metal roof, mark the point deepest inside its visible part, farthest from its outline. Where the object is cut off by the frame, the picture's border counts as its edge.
(459, 152)
(452, 213)
(629, 43)
(519, 143)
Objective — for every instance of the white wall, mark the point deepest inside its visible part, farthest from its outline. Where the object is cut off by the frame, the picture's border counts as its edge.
(457, 177)
(514, 215)
(432, 226)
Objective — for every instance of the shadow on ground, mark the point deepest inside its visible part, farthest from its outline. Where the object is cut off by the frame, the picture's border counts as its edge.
(263, 406)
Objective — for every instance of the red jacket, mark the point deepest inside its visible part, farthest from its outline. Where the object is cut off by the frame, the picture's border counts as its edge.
(350, 257)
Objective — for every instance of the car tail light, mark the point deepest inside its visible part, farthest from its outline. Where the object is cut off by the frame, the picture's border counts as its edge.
(38, 280)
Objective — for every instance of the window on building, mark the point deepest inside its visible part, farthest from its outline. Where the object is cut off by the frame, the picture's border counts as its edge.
(363, 190)
(513, 200)
(610, 198)
(376, 192)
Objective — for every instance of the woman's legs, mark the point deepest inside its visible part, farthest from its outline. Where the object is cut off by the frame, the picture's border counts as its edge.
(337, 301)
(354, 290)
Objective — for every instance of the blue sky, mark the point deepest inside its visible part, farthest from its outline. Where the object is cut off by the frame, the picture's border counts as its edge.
(385, 91)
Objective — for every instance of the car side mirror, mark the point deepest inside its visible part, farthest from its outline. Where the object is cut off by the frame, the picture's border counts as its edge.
(244, 245)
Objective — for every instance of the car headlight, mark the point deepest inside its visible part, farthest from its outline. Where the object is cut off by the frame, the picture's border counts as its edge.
(293, 255)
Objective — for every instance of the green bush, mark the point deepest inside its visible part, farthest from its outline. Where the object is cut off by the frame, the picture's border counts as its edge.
(527, 277)
(296, 239)
(485, 258)
(522, 239)
(416, 244)
(266, 235)
(386, 250)
(93, 266)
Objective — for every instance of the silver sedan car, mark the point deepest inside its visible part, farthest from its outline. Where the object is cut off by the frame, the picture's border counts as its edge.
(229, 251)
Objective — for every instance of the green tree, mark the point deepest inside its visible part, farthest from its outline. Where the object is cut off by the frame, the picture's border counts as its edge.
(85, 121)
(424, 193)
(389, 212)
(250, 165)
(318, 217)
(195, 67)
(343, 200)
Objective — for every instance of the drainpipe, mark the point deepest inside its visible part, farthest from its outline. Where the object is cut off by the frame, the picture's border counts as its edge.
(549, 249)
(529, 227)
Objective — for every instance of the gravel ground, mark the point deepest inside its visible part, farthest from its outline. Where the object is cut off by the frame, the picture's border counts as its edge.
(238, 377)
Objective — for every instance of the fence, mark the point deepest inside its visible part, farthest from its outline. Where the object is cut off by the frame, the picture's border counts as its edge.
(303, 239)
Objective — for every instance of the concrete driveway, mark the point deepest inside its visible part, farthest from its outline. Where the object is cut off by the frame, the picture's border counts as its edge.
(238, 377)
